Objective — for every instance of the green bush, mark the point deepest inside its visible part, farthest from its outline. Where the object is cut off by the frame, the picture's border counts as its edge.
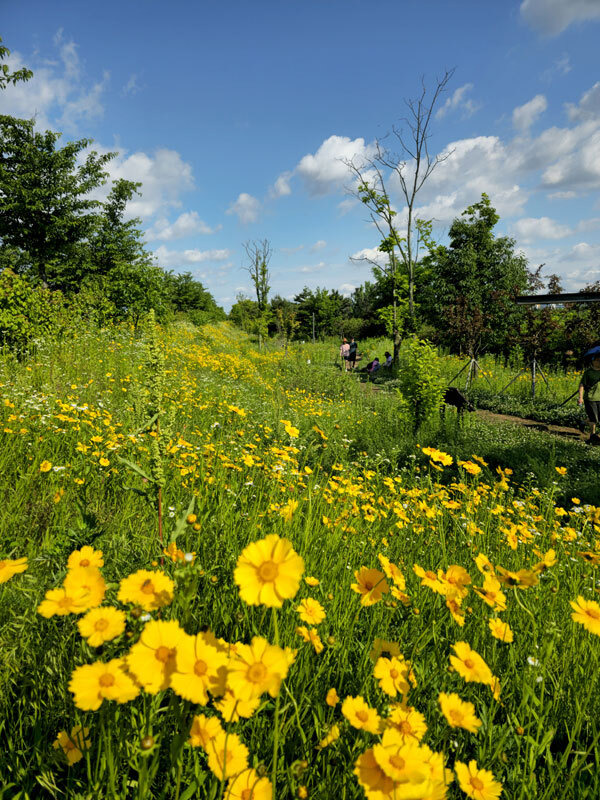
(419, 378)
(27, 312)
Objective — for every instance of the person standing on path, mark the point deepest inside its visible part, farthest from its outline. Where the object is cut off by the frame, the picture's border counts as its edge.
(344, 350)
(352, 353)
(589, 394)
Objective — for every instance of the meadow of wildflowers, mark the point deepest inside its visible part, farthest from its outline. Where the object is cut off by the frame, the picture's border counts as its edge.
(330, 609)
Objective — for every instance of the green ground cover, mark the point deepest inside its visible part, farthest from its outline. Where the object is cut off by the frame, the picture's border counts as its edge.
(267, 444)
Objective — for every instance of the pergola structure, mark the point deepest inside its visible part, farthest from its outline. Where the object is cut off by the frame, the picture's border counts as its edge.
(557, 299)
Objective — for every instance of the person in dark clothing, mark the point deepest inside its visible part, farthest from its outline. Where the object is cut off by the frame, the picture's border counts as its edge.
(352, 354)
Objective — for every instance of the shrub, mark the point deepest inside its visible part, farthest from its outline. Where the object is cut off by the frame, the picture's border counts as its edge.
(419, 379)
(26, 311)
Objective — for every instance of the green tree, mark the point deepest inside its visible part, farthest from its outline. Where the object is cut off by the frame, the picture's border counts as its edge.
(474, 282)
(46, 214)
(6, 76)
(259, 255)
(410, 168)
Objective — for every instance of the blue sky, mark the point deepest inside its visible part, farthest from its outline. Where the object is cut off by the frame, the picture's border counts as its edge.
(236, 117)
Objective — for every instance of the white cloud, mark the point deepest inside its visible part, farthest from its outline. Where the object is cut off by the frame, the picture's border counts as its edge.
(281, 187)
(529, 229)
(562, 195)
(164, 176)
(582, 251)
(313, 268)
(186, 224)
(554, 16)
(131, 87)
(58, 95)
(246, 207)
(346, 289)
(370, 254)
(289, 251)
(588, 107)
(459, 101)
(318, 246)
(178, 258)
(579, 166)
(524, 116)
(325, 171)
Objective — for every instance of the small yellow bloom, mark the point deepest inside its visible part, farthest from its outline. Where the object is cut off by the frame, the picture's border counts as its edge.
(311, 611)
(74, 744)
(10, 567)
(332, 698)
(45, 466)
(501, 630)
(101, 625)
(360, 715)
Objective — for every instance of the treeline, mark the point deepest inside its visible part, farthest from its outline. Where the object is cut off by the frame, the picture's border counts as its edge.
(60, 249)
(464, 301)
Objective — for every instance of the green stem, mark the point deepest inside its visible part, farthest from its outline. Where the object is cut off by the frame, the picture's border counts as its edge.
(276, 728)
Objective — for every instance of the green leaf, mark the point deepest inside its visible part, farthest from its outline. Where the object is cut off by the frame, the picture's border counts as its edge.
(181, 522)
(135, 468)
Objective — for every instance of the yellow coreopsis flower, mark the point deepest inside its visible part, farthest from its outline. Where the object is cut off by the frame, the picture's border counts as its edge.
(332, 698)
(311, 611)
(232, 709)
(479, 784)
(392, 674)
(501, 630)
(470, 665)
(405, 763)
(287, 511)
(268, 572)
(101, 625)
(152, 659)
(91, 684)
(248, 785)
(45, 466)
(459, 713)
(371, 584)
(203, 730)
(257, 668)
(310, 581)
(332, 736)
(409, 722)
(227, 755)
(492, 594)
(360, 715)
(86, 557)
(149, 589)
(310, 636)
(372, 778)
(10, 567)
(197, 665)
(74, 744)
(382, 646)
(587, 613)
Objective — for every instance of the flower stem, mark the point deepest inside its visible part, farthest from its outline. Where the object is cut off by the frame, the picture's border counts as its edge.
(276, 726)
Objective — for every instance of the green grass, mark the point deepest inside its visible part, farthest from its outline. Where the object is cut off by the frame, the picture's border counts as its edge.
(363, 487)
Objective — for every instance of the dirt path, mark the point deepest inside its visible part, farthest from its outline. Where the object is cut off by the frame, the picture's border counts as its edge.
(556, 430)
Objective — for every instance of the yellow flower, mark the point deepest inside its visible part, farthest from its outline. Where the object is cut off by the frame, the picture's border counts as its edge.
(333, 734)
(152, 659)
(287, 511)
(311, 581)
(197, 666)
(332, 698)
(248, 785)
(203, 730)
(45, 466)
(232, 709)
(476, 783)
(392, 572)
(311, 637)
(83, 588)
(484, 565)
(561, 470)
(469, 664)
(459, 713)
(522, 579)
(104, 462)
(501, 630)
(382, 646)
(371, 584)
(409, 722)
(227, 755)
(10, 567)
(101, 625)
(291, 431)
(86, 557)
(73, 744)
(360, 715)
(392, 674)
(403, 762)
(93, 683)
(148, 589)
(492, 594)
(268, 572)
(311, 611)
(257, 668)
(372, 778)
(587, 613)
(470, 467)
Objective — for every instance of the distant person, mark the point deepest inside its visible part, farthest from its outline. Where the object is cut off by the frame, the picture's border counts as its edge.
(388, 359)
(589, 394)
(344, 351)
(373, 367)
(352, 353)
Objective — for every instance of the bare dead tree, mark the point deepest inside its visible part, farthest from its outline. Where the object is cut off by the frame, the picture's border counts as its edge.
(411, 165)
(259, 255)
